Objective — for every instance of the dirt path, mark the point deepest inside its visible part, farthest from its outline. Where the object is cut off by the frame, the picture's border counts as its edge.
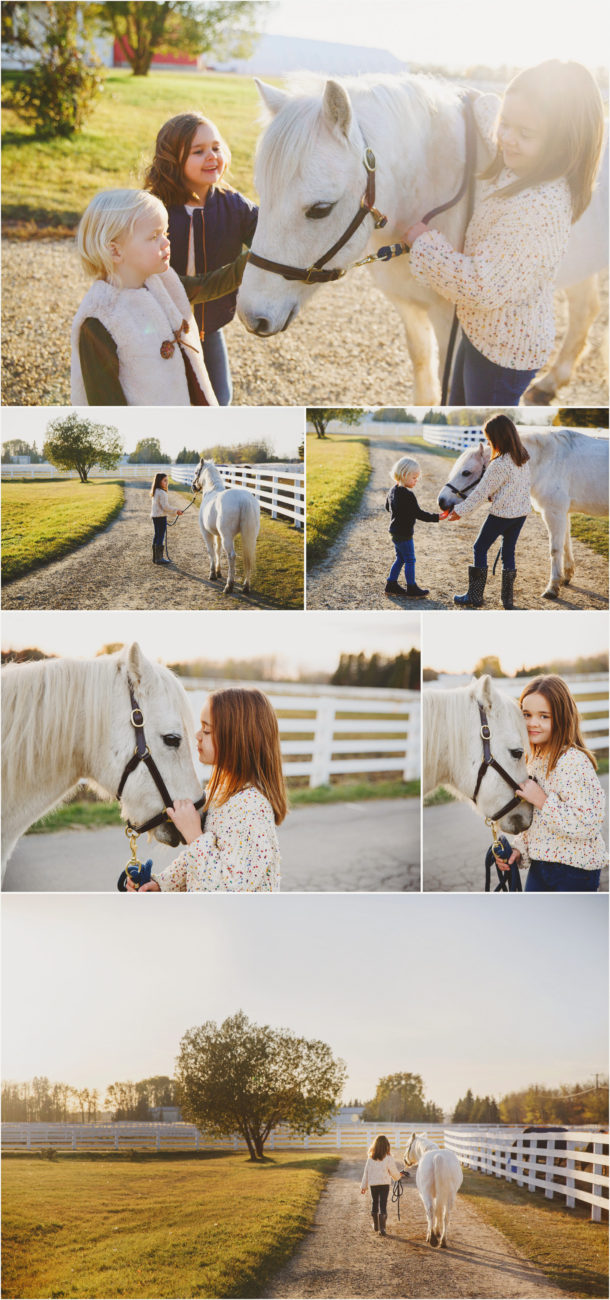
(354, 572)
(115, 570)
(347, 348)
(341, 1256)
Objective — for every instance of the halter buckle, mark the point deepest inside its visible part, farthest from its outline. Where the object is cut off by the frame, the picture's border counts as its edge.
(368, 159)
(485, 732)
(135, 714)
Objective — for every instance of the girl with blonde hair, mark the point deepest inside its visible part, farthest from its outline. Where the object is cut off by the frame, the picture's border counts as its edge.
(403, 508)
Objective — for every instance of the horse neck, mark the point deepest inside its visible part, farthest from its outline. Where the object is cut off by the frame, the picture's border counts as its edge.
(415, 127)
(214, 477)
(442, 738)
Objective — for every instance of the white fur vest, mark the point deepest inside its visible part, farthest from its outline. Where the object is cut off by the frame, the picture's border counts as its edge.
(144, 324)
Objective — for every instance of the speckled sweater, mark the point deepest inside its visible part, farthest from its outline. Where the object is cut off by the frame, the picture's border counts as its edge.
(506, 485)
(567, 828)
(502, 284)
(380, 1173)
(238, 851)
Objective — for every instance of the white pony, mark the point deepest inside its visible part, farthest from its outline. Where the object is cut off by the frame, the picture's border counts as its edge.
(438, 1179)
(311, 177)
(67, 719)
(453, 748)
(223, 513)
(569, 472)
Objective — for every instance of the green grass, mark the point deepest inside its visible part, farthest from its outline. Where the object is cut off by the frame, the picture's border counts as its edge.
(338, 470)
(43, 520)
(50, 182)
(172, 1228)
(81, 813)
(570, 1249)
(593, 532)
(438, 796)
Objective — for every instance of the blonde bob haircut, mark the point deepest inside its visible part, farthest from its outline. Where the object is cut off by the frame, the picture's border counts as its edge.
(404, 466)
(112, 215)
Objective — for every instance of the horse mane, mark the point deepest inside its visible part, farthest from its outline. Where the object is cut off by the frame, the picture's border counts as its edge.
(214, 474)
(445, 712)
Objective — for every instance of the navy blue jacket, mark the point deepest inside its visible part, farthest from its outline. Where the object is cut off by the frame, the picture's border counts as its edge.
(404, 510)
(229, 221)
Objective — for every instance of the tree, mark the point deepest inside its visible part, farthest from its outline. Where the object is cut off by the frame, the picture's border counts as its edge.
(143, 28)
(489, 664)
(18, 447)
(58, 90)
(75, 442)
(247, 1078)
(185, 457)
(148, 452)
(321, 417)
(582, 417)
(401, 1097)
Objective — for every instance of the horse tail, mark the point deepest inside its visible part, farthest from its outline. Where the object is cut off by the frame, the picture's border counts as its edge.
(249, 529)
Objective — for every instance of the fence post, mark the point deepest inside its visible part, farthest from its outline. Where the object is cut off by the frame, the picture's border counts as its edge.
(274, 496)
(197, 1135)
(570, 1200)
(412, 748)
(338, 1138)
(549, 1164)
(596, 1210)
(157, 1142)
(322, 744)
(298, 503)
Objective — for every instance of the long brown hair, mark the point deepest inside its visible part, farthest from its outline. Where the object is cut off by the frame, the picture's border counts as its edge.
(247, 748)
(380, 1148)
(569, 99)
(502, 433)
(156, 483)
(165, 176)
(565, 731)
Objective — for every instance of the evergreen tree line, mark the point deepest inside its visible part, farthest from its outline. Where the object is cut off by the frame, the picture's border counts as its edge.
(377, 670)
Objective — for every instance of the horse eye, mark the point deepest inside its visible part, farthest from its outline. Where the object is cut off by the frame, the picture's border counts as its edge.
(466, 473)
(517, 753)
(319, 210)
(172, 740)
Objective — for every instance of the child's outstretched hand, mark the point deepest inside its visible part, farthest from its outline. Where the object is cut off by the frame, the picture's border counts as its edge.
(184, 815)
(447, 517)
(413, 233)
(363, 1191)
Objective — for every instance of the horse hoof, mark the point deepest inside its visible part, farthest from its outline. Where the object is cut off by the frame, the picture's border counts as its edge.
(550, 594)
(536, 396)
(443, 1244)
(246, 586)
(228, 589)
(213, 577)
(433, 1239)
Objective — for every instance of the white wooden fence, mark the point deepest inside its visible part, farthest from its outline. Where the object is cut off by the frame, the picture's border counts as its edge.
(460, 439)
(571, 1166)
(590, 691)
(330, 731)
(280, 491)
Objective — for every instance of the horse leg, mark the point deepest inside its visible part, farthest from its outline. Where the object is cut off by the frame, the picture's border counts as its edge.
(583, 307)
(556, 519)
(218, 553)
(423, 351)
(209, 541)
(228, 546)
(568, 555)
(428, 1201)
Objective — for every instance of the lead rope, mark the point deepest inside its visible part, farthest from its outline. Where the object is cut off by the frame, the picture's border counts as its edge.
(397, 1192)
(175, 521)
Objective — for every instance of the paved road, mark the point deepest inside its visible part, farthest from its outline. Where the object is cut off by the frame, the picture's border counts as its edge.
(455, 843)
(336, 847)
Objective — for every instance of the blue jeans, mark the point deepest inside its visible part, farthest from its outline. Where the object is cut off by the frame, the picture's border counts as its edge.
(478, 381)
(405, 554)
(558, 878)
(160, 527)
(494, 527)
(216, 360)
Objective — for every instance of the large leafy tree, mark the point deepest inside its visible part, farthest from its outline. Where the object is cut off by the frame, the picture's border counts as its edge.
(75, 442)
(247, 1078)
(401, 1097)
(148, 452)
(60, 84)
(583, 417)
(321, 417)
(144, 28)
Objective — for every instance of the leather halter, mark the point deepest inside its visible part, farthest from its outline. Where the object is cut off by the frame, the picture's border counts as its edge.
(490, 761)
(315, 274)
(458, 490)
(142, 754)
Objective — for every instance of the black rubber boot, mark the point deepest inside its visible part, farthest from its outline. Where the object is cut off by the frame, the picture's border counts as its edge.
(393, 589)
(155, 560)
(473, 598)
(375, 1223)
(383, 1218)
(160, 556)
(416, 593)
(508, 583)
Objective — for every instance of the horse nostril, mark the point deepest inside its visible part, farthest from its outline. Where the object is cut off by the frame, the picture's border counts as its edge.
(261, 325)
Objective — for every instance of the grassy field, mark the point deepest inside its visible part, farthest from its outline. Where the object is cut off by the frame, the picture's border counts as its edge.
(42, 520)
(570, 1249)
(593, 532)
(50, 182)
(338, 470)
(216, 1226)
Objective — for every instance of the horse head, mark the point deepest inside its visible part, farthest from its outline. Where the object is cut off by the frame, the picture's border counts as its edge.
(168, 732)
(468, 470)
(310, 175)
(508, 743)
(410, 1158)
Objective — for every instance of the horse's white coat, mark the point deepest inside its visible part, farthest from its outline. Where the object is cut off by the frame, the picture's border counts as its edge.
(453, 749)
(569, 472)
(67, 719)
(312, 152)
(223, 514)
(438, 1179)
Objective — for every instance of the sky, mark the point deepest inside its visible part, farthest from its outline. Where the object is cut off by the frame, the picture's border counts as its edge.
(308, 642)
(527, 637)
(468, 992)
(441, 31)
(282, 426)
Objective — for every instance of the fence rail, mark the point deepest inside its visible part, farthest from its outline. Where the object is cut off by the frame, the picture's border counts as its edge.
(280, 491)
(589, 690)
(461, 439)
(569, 1167)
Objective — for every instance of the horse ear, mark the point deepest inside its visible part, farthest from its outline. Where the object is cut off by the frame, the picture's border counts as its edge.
(484, 689)
(336, 107)
(135, 661)
(273, 98)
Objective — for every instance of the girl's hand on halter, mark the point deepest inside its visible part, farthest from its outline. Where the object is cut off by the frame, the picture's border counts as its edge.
(448, 518)
(532, 792)
(152, 885)
(514, 857)
(413, 233)
(184, 815)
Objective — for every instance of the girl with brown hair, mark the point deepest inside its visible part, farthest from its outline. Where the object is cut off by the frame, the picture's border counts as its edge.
(379, 1171)
(245, 801)
(563, 847)
(546, 141)
(160, 511)
(506, 483)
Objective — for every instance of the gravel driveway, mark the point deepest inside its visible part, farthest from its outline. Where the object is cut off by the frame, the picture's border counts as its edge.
(346, 348)
(115, 570)
(354, 572)
(341, 1256)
